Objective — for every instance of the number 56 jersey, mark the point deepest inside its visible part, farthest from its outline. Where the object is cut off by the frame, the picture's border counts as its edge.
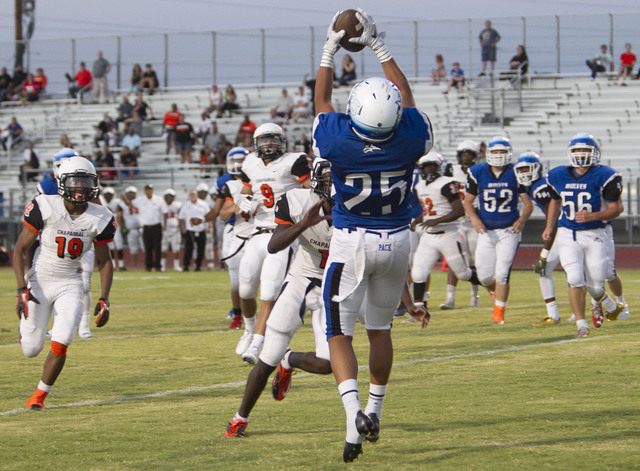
(63, 237)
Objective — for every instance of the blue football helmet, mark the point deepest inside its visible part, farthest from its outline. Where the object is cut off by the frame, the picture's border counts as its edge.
(499, 151)
(60, 156)
(528, 168)
(584, 150)
(235, 158)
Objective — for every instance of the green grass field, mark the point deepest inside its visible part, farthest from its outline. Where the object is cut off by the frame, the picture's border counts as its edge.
(156, 387)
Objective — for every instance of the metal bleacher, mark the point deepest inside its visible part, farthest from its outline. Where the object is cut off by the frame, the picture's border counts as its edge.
(540, 116)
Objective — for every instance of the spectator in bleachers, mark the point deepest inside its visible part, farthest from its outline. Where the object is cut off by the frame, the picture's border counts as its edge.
(14, 134)
(489, 38)
(456, 79)
(230, 103)
(303, 144)
(627, 63)
(184, 137)
(41, 80)
(142, 107)
(65, 141)
(104, 160)
(132, 141)
(29, 92)
(83, 80)
(310, 83)
(216, 99)
(283, 108)
(210, 144)
(221, 150)
(128, 159)
(31, 162)
(301, 106)
(5, 82)
(347, 70)
(149, 79)
(124, 111)
(244, 137)
(518, 62)
(170, 120)
(204, 127)
(100, 70)
(15, 87)
(440, 71)
(135, 122)
(102, 129)
(600, 63)
(134, 81)
(482, 152)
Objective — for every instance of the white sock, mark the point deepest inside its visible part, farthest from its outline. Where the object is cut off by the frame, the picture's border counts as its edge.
(249, 323)
(285, 360)
(451, 292)
(257, 341)
(552, 310)
(238, 416)
(163, 263)
(582, 323)
(620, 299)
(608, 304)
(500, 303)
(376, 399)
(351, 401)
(176, 264)
(474, 290)
(44, 387)
(426, 296)
(120, 263)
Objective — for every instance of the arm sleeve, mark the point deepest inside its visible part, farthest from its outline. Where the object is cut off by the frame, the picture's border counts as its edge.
(472, 185)
(612, 189)
(300, 168)
(450, 192)
(107, 234)
(33, 217)
(283, 215)
(244, 178)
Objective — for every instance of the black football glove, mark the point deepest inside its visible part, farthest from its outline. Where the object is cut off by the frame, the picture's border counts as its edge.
(102, 311)
(22, 305)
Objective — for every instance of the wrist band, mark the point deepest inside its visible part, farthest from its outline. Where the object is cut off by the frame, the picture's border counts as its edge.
(544, 253)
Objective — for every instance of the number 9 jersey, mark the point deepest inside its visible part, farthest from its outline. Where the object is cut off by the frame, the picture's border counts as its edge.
(63, 237)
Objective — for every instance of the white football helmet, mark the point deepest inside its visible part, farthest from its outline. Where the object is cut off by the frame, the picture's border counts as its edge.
(269, 141)
(499, 151)
(470, 147)
(235, 158)
(77, 181)
(375, 108)
(202, 186)
(584, 150)
(431, 166)
(60, 156)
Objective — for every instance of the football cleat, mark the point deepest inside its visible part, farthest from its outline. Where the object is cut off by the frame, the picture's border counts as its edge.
(236, 323)
(547, 321)
(474, 301)
(498, 315)
(613, 316)
(236, 428)
(448, 304)
(244, 342)
(410, 320)
(367, 428)
(281, 382)
(230, 314)
(583, 332)
(572, 318)
(597, 317)
(36, 402)
(624, 315)
(351, 451)
(250, 356)
(85, 334)
(400, 311)
(374, 432)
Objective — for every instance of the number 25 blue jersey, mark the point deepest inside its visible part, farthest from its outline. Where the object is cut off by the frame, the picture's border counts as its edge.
(497, 196)
(372, 181)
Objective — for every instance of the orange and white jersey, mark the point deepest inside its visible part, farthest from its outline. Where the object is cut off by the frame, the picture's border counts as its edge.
(172, 211)
(313, 251)
(131, 215)
(243, 225)
(111, 205)
(65, 238)
(436, 199)
(268, 182)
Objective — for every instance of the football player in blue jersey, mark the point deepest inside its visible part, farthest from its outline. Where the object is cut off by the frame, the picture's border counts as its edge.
(373, 149)
(497, 220)
(528, 170)
(585, 195)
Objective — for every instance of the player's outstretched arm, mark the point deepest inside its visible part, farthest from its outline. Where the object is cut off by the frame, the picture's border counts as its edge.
(324, 78)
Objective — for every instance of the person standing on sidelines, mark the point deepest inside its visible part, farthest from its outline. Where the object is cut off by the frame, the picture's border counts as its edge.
(585, 195)
(373, 149)
(194, 208)
(68, 225)
(128, 219)
(111, 202)
(171, 237)
(151, 211)
(497, 220)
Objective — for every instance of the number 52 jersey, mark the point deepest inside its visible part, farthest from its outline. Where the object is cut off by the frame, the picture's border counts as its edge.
(63, 237)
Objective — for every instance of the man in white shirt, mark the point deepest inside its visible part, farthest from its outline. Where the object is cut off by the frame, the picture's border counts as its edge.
(151, 211)
(195, 208)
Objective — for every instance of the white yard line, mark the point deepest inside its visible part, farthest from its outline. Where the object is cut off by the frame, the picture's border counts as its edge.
(239, 384)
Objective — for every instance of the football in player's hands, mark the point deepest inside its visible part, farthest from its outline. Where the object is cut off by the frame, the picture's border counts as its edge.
(348, 21)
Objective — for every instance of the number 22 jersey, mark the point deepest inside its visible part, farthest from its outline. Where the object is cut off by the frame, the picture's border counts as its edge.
(63, 237)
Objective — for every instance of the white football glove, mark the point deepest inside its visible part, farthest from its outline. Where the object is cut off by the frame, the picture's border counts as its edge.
(332, 44)
(370, 37)
(243, 202)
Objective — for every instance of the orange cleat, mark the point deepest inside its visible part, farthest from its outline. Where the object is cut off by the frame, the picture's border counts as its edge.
(236, 428)
(498, 314)
(36, 402)
(281, 383)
